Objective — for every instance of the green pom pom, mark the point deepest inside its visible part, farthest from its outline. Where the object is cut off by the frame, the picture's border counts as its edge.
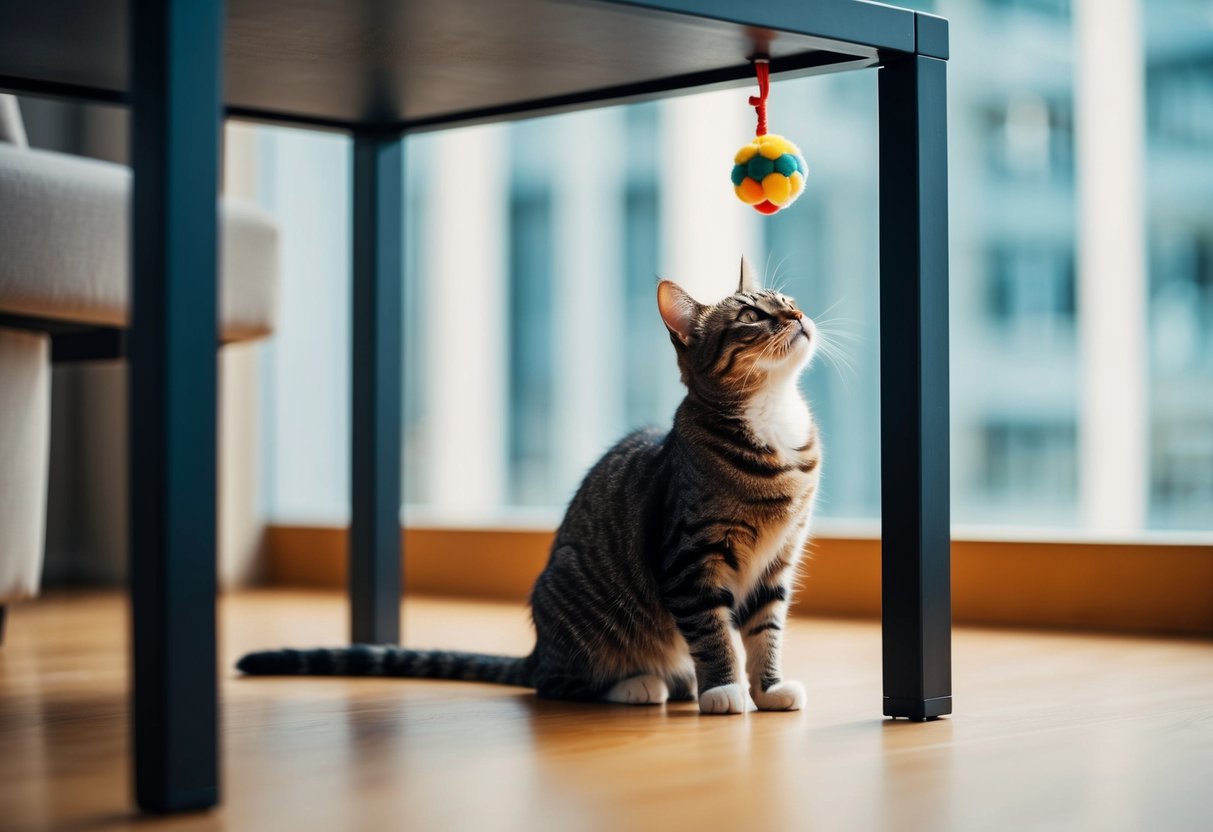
(760, 167)
(738, 174)
(786, 164)
(802, 166)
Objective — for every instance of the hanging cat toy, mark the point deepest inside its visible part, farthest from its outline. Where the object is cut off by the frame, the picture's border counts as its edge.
(769, 172)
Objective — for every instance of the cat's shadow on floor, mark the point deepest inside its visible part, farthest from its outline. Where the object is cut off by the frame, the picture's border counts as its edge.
(557, 713)
(551, 719)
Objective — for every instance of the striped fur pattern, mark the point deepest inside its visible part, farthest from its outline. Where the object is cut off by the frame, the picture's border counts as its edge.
(381, 660)
(676, 556)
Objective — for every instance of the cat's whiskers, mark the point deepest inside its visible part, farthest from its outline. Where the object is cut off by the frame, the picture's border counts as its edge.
(835, 354)
(821, 316)
(830, 322)
(834, 334)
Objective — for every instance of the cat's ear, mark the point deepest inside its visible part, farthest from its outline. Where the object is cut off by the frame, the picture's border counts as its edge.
(678, 309)
(747, 283)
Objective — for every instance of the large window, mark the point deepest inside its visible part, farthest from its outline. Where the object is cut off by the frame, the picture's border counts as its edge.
(534, 249)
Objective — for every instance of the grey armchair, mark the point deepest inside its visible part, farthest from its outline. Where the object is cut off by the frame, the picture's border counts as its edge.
(64, 293)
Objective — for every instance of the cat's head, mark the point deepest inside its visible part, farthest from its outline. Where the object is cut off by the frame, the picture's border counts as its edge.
(736, 347)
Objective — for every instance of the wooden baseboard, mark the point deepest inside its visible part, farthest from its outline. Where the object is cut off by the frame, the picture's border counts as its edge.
(1130, 587)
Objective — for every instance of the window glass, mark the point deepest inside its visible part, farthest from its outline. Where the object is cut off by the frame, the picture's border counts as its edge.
(532, 338)
(1179, 225)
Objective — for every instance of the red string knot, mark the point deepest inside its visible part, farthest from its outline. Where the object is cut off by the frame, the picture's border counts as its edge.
(762, 68)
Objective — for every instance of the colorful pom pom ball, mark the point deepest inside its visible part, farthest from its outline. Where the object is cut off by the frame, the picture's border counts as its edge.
(769, 173)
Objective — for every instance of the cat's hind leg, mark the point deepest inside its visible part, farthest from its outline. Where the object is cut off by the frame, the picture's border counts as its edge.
(645, 689)
(554, 681)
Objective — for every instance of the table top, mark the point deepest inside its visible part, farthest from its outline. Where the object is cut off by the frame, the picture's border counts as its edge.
(417, 64)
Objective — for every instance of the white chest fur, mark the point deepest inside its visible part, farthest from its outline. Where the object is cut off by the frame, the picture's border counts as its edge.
(779, 418)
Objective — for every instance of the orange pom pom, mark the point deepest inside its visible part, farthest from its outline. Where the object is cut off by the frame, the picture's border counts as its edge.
(750, 192)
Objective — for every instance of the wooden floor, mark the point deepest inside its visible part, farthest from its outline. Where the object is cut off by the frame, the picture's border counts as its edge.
(1052, 731)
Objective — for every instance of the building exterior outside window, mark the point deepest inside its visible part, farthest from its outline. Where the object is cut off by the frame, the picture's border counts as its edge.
(545, 279)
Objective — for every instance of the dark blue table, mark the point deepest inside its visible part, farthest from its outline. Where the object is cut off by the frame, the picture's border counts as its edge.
(380, 69)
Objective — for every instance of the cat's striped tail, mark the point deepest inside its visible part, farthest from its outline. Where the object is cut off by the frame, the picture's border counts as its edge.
(380, 660)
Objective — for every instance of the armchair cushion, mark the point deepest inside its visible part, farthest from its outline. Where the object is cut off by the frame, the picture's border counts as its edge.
(64, 241)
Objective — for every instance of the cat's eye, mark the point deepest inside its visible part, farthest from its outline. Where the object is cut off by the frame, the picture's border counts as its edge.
(750, 315)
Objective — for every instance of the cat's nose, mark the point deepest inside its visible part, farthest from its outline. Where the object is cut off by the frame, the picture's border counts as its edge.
(791, 314)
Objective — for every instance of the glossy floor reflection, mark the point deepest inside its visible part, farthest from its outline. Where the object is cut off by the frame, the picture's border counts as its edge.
(1051, 731)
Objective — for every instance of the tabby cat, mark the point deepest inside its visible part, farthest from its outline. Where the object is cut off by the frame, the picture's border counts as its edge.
(673, 542)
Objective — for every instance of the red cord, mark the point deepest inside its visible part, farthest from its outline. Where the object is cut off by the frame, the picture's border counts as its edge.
(762, 67)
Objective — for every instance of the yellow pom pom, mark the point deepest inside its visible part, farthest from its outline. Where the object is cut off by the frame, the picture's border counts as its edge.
(777, 188)
(773, 146)
(797, 183)
(745, 154)
(750, 192)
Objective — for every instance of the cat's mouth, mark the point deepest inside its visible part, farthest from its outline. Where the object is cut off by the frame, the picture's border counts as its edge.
(802, 328)
(797, 345)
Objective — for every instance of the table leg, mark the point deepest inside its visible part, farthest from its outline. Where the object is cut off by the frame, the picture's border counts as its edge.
(914, 388)
(176, 72)
(375, 550)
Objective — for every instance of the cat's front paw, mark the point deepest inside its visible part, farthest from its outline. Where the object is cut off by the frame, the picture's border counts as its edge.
(781, 696)
(725, 699)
